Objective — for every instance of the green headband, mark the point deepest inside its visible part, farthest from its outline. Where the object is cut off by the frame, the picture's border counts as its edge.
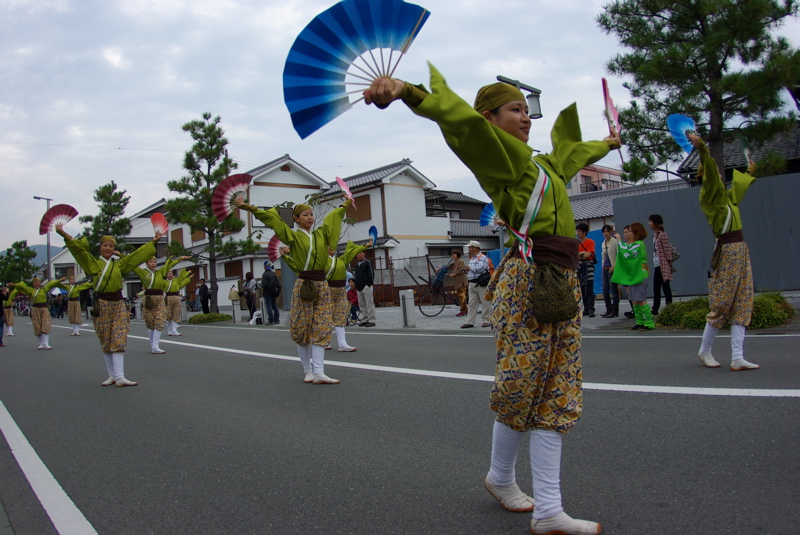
(491, 97)
(299, 209)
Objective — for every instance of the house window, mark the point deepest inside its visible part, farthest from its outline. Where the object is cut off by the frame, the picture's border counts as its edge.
(286, 215)
(363, 212)
(198, 235)
(177, 235)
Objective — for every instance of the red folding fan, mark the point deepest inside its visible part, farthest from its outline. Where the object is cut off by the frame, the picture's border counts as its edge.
(160, 224)
(225, 194)
(60, 214)
(274, 248)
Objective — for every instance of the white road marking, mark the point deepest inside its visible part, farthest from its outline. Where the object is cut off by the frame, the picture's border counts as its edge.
(66, 517)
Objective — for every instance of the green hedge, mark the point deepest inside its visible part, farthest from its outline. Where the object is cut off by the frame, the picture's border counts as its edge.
(769, 310)
(209, 318)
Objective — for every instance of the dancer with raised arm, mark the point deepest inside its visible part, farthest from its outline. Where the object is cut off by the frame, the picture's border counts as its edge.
(337, 274)
(154, 306)
(311, 317)
(172, 289)
(40, 315)
(536, 312)
(111, 317)
(74, 304)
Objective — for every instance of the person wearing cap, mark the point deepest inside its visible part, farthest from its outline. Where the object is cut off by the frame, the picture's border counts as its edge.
(538, 374)
(40, 316)
(74, 304)
(154, 309)
(337, 274)
(478, 267)
(172, 305)
(310, 322)
(730, 287)
(271, 289)
(111, 317)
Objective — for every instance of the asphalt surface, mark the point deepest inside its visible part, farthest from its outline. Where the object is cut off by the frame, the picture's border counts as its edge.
(222, 436)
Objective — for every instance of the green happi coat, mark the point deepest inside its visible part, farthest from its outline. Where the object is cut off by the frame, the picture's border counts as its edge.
(111, 280)
(503, 164)
(337, 265)
(154, 280)
(715, 199)
(41, 295)
(74, 290)
(10, 301)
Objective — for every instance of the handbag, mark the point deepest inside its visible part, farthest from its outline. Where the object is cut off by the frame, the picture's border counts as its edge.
(675, 253)
(483, 279)
(233, 295)
(308, 291)
(551, 299)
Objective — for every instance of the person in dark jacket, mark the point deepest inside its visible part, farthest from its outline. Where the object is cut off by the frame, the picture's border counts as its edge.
(204, 294)
(365, 278)
(271, 288)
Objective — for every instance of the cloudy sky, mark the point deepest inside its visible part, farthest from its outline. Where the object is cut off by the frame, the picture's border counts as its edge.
(93, 91)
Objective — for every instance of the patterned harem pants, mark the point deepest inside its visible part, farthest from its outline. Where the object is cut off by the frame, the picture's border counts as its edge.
(112, 325)
(340, 306)
(311, 322)
(9, 314)
(730, 288)
(74, 312)
(538, 374)
(40, 317)
(156, 317)
(173, 308)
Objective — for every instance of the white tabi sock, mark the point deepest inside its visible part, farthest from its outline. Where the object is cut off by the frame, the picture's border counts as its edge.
(709, 335)
(318, 359)
(150, 337)
(505, 444)
(546, 467)
(156, 340)
(341, 341)
(737, 342)
(75, 328)
(109, 364)
(46, 340)
(304, 352)
(119, 365)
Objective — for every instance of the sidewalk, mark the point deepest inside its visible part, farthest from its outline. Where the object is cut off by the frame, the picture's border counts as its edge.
(391, 319)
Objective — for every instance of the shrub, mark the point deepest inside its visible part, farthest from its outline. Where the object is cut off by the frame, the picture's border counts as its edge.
(695, 319)
(770, 309)
(209, 318)
(674, 312)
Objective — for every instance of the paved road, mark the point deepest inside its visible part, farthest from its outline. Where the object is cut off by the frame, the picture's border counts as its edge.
(222, 435)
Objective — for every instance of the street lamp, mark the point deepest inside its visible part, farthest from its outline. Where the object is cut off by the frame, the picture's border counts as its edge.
(47, 269)
(534, 107)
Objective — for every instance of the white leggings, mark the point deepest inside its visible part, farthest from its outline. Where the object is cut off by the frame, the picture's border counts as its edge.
(545, 453)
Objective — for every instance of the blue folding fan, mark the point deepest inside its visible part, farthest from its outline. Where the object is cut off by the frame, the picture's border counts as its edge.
(373, 233)
(679, 125)
(488, 215)
(335, 56)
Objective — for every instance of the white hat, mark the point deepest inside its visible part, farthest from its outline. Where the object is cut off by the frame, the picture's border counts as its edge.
(474, 243)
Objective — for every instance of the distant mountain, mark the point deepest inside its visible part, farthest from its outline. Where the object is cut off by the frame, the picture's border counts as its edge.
(41, 253)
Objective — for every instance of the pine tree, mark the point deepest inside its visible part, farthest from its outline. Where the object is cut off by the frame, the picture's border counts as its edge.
(110, 220)
(713, 60)
(16, 265)
(207, 164)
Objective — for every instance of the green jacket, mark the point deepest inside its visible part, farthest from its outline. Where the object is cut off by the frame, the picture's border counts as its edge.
(108, 280)
(715, 199)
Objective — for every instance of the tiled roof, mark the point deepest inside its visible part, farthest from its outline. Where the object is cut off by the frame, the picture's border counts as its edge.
(371, 177)
(600, 203)
(786, 144)
(457, 196)
(469, 228)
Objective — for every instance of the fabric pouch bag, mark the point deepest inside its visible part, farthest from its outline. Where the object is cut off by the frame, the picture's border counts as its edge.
(308, 292)
(551, 299)
(149, 304)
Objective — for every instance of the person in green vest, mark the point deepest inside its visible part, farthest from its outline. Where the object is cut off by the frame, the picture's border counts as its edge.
(310, 321)
(730, 288)
(632, 272)
(538, 372)
(110, 315)
(40, 315)
(74, 303)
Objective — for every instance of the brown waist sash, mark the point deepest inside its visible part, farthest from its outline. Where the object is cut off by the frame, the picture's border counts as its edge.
(109, 296)
(336, 284)
(39, 305)
(173, 293)
(314, 275)
(735, 236)
(154, 292)
(557, 249)
(74, 298)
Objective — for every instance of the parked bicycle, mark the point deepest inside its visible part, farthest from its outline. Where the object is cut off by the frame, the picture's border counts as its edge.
(432, 302)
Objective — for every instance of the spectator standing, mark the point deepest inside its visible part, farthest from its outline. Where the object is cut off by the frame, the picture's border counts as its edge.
(458, 272)
(249, 291)
(365, 278)
(662, 262)
(632, 271)
(204, 294)
(609, 260)
(352, 296)
(271, 288)
(586, 262)
(478, 278)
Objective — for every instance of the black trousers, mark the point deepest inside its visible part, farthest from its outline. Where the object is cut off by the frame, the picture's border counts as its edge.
(658, 284)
